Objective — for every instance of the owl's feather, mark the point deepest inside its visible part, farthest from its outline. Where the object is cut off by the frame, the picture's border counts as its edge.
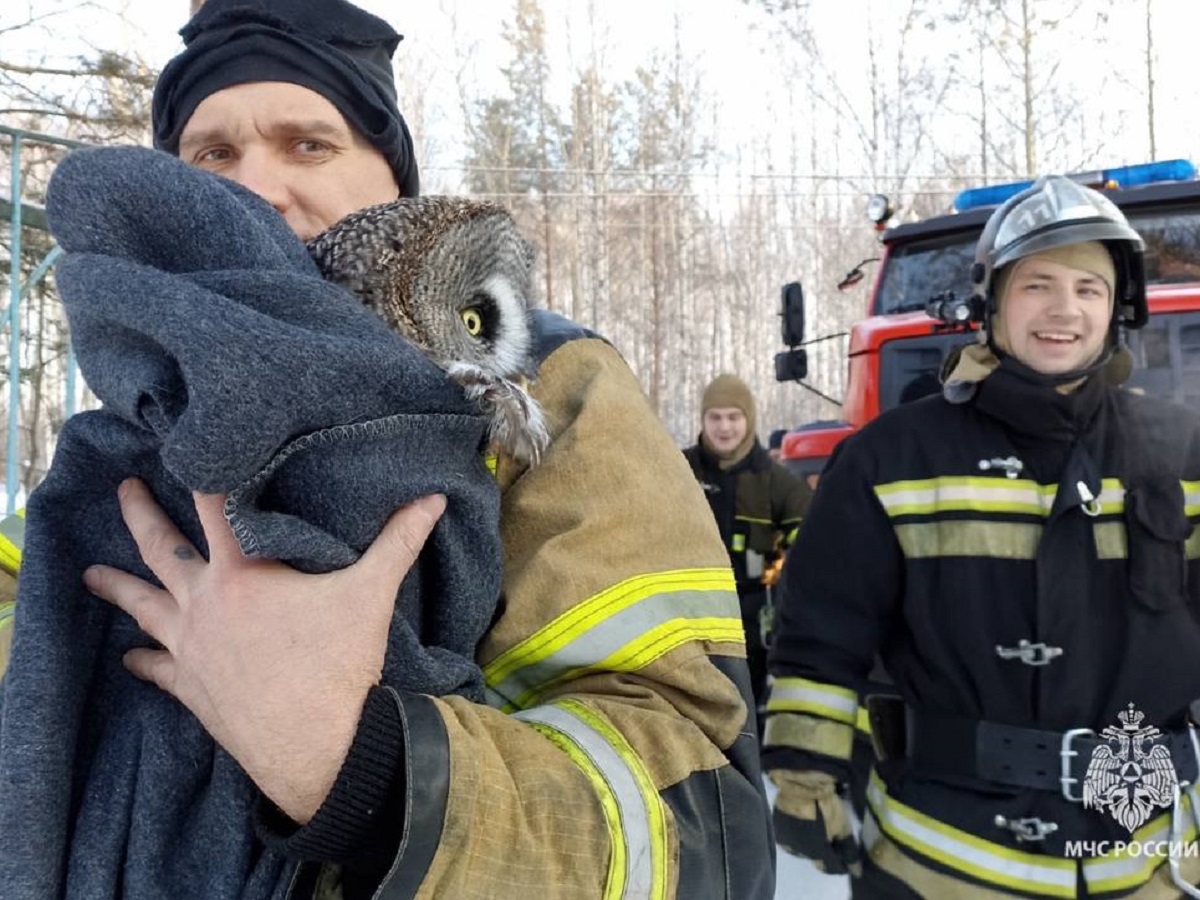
(453, 275)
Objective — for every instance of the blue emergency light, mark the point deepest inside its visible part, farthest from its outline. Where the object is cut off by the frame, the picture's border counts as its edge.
(1122, 176)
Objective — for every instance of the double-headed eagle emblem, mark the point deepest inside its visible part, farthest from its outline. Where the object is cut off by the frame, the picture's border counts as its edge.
(1132, 773)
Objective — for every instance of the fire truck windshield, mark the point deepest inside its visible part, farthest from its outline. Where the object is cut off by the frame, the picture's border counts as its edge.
(918, 270)
(1166, 357)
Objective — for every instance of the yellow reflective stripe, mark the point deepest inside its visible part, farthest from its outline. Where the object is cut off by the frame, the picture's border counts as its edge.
(580, 618)
(641, 817)
(964, 852)
(1191, 497)
(738, 544)
(636, 654)
(1113, 543)
(803, 695)
(1000, 540)
(790, 537)
(812, 733)
(1112, 496)
(753, 520)
(863, 721)
(614, 887)
(1121, 871)
(965, 492)
(622, 629)
(12, 540)
(492, 461)
(962, 493)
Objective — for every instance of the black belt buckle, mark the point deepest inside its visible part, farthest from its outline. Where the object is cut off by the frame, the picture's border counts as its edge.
(1067, 754)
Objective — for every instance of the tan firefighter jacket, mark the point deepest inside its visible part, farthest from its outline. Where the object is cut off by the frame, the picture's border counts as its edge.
(615, 760)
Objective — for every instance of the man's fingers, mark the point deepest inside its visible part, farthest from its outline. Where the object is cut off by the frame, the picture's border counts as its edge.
(222, 545)
(152, 608)
(155, 666)
(162, 546)
(396, 548)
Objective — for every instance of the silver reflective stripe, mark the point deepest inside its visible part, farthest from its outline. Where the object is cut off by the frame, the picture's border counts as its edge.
(802, 695)
(1113, 872)
(963, 493)
(602, 641)
(989, 862)
(1191, 497)
(635, 817)
(1112, 496)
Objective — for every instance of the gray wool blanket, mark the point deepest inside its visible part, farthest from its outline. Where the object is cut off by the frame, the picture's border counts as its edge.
(225, 364)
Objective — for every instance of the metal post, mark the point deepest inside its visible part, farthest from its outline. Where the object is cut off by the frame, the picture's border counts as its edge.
(38, 274)
(42, 268)
(35, 219)
(14, 334)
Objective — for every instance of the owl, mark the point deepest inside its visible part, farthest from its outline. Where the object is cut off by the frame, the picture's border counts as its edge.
(453, 276)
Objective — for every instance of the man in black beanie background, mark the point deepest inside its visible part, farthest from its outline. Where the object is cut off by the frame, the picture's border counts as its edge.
(614, 757)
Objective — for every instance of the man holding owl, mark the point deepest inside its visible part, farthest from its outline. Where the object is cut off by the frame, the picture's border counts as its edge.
(626, 765)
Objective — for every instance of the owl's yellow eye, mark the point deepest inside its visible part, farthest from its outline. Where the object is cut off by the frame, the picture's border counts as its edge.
(473, 320)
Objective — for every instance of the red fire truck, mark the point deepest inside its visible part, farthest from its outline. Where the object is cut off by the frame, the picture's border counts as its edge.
(897, 351)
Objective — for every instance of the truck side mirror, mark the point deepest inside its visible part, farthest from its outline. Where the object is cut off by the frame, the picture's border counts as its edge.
(791, 365)
(793, 314)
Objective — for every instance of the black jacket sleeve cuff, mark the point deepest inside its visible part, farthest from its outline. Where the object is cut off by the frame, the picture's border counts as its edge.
(361, 821)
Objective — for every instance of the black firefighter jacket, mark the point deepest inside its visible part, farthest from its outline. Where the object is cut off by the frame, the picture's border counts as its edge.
(756, 502)
(945, 535)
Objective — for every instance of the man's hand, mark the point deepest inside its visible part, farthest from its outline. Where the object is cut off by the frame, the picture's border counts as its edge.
(274, 663)
(811, 821)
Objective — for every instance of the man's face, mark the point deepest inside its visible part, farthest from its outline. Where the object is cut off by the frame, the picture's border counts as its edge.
(1055, 317)
(724, 428)
(291, 147)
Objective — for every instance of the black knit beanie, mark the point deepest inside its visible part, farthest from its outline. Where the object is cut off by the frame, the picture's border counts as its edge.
(328, 46)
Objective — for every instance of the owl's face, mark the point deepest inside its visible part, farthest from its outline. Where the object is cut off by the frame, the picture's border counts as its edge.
(453, 275)
(470, 297)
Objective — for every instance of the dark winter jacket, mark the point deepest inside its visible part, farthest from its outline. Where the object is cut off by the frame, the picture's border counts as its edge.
(758, 505)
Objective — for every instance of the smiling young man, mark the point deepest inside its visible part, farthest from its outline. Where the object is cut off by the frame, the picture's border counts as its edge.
(1056, 307)
(757, 503)
(1017, 550)
(613, 758)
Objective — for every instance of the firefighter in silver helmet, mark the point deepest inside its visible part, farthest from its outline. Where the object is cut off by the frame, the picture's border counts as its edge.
(1018, 551)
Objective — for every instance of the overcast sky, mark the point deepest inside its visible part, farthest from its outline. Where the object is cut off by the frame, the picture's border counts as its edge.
(741, 66)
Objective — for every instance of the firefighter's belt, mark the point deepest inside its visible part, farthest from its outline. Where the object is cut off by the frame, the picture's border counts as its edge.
(952, 748)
